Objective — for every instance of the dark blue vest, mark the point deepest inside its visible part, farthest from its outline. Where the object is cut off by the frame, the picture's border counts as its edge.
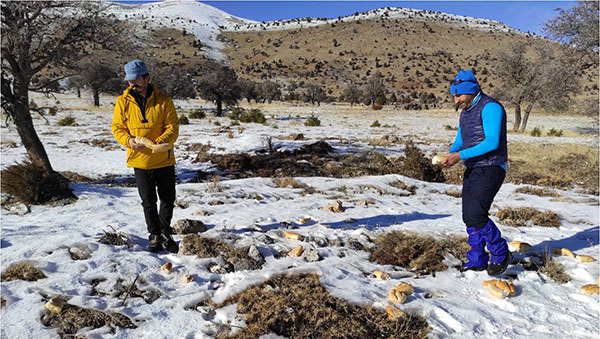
(471, 132)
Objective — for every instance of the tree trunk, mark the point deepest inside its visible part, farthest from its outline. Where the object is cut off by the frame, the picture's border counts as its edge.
(219, 107)
(78, 92)
(526, 117)
(96, 98)
(24, 124)
(517, 116)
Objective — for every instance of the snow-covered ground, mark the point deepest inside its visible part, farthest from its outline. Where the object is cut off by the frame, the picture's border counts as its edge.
(463, 308)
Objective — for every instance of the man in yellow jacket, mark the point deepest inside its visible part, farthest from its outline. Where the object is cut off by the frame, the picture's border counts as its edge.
(143, 111)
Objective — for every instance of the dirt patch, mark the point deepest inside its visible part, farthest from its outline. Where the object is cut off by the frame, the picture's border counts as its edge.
(73, 318)
(232, 258)
(527, 216)
(298, 306)
(418, 252)
(22, 271)
(319, 160)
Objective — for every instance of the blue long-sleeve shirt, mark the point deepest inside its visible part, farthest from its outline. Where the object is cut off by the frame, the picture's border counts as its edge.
(491, 116)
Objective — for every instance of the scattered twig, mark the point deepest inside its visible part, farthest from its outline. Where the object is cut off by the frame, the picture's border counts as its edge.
(130, 288)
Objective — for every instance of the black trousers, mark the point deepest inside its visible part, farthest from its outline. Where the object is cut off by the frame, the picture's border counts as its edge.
(148, 183)
(480, 186)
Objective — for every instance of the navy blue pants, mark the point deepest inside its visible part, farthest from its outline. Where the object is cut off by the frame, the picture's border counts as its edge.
(148, 183)
(480, 185)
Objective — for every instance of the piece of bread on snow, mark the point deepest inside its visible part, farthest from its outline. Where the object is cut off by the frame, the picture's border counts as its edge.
(563, 251)
(585, 258)
(590, 289)
(167, 267)
(519, 246)
(405, 288)
(382, 275)
(394, 312)
(437, 159)
(397, 297)
(55, 305)
(296, 252)
(500, 288)
(292, 235)
(156, 148)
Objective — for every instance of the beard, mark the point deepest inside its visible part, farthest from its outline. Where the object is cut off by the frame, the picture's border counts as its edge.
(456, 107)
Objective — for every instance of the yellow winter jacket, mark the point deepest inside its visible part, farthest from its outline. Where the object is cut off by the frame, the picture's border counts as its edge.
(162, 127)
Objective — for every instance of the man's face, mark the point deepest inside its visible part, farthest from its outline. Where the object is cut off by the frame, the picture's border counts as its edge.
(140, 84)
(462, 101)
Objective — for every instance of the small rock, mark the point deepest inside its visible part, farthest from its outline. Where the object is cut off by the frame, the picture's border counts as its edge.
(150, 296)
(337, 243)
(202, 213)
(19, 208)
(80, 253)
(216, 202)
(365, 203)
(287, 225)
(350, 221)
(207, 312)
(336, 207)
(319, 241)
(181, 204)
(354, 245)
(311, 255)
(255, 255)
(188, 226)
(265, 239)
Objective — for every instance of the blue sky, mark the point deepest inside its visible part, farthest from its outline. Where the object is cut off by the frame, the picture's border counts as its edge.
(523, 15)
(528, 16)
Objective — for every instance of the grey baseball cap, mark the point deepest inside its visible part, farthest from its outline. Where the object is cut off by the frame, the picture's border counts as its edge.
(135, 69)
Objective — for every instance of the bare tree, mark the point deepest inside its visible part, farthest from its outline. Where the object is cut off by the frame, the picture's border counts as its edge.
(174, 81)
(577, 27)
(219, 84)
(100, 78)
(374, 88)
(352, 94)
(535, 76)
(49, 37)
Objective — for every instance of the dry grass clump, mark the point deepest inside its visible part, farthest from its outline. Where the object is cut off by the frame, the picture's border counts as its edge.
(31, 185)
(416, 165)
(22, 271)
(115, 238)
(298, 306)
(526, 216)
(417, 252)
(288, 183)
(403, 186)
(193, 244)
(554, 270)
(453, 192)
(554, 165)
(73, 318)
(542, 192)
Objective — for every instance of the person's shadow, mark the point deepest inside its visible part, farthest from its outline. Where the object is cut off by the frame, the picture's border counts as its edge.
(384, 220)
(584, 239)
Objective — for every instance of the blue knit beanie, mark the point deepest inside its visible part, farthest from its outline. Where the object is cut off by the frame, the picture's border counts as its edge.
(464, 83)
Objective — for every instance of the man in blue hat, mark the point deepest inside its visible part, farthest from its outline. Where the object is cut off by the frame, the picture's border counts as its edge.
(481, 144)
(143, 111)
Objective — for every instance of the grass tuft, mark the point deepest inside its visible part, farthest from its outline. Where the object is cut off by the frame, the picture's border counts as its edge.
(298, 306)
(417, 252)
(554, 270)
(22, 271)
(542, 192)
(526, 216)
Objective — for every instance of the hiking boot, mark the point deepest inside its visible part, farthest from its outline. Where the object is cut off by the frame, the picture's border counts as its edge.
(464, 268)
(156, 244)
(169, 244)
(496, 269)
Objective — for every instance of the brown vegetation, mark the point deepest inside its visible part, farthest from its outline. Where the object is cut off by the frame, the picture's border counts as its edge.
(298, 306)
(526, 216)
(22, 271)
(73, 318)
(554, 270)
(417, 252)
(30, 184)
(542, 192)
(238, 258)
